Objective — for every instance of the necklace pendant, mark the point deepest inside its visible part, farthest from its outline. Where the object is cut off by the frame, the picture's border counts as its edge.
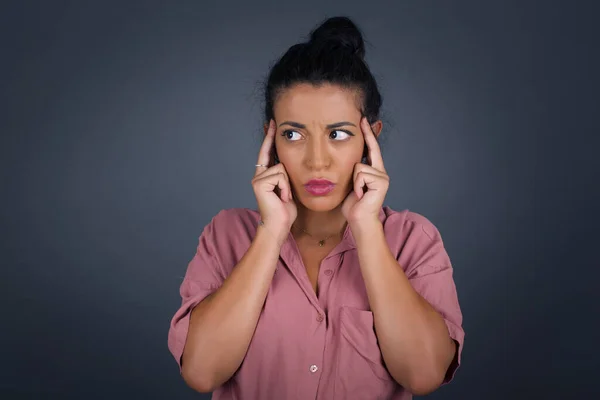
(321, 243)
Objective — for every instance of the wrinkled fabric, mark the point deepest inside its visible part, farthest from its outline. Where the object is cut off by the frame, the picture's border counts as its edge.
(317, 347)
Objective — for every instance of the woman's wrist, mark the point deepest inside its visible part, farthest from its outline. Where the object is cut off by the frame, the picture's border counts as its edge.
(273, 235)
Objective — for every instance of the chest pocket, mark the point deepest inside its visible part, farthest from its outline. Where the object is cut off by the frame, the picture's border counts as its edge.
(360, 372)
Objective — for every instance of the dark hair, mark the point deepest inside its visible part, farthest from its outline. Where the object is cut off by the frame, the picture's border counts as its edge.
(335, 53)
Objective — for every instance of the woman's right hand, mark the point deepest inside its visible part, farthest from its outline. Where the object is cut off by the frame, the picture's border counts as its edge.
(273, 191)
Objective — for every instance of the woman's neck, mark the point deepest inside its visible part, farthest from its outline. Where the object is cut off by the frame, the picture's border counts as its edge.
(319, 224)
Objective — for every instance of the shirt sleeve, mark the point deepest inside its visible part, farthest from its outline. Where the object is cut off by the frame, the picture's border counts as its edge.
(204, 276)
(430, 271)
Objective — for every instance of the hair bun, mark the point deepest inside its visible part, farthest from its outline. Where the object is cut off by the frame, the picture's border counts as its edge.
(342, 31)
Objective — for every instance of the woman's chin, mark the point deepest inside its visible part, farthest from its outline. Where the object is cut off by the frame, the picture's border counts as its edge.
(321, 203)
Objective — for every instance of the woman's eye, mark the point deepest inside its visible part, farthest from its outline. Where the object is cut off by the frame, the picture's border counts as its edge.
(340, 135)
(289, 135)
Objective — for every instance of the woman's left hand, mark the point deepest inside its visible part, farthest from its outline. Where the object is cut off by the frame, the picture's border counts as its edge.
(362, 206)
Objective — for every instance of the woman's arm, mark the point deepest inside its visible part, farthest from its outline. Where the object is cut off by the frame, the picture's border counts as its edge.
(222, 325)
(413, 337)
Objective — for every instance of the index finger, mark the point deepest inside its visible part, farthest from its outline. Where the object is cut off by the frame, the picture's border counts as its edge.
(264, 154)
(374, 149)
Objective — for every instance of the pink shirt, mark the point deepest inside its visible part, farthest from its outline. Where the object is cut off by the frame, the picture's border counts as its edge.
(309, 347)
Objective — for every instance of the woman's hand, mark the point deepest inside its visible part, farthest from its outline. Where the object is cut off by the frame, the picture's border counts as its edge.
(273, 191)
(362, 206)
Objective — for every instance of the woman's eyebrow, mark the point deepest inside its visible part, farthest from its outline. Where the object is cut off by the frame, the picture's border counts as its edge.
(330, 126)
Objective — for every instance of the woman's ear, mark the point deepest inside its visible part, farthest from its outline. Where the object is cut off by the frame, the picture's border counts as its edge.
(376, 128)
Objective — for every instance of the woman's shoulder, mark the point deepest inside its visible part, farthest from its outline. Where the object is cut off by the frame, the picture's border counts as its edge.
(236, 216)
(229, 234)
(234, 222)
(408, 221)
(415, 240)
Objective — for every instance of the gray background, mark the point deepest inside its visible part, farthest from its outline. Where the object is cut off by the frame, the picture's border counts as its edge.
(127, 125)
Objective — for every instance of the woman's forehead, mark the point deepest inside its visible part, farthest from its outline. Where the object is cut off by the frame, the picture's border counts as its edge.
(307, 102)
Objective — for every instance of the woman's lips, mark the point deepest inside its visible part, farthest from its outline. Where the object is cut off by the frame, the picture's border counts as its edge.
(319, 187)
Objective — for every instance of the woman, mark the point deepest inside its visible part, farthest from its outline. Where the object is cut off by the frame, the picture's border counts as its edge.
(323, 292)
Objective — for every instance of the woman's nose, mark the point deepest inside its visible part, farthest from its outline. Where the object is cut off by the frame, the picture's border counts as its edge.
(318, 156)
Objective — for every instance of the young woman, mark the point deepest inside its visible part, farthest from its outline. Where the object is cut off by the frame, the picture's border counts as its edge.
(323, 292)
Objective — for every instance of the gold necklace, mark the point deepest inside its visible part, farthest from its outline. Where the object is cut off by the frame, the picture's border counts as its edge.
(322, 241)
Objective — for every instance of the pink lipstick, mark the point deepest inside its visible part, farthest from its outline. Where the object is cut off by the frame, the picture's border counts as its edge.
(319, 187)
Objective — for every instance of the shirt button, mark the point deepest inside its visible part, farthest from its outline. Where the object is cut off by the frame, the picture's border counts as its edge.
(320, 317)
(328, 272)
(313, 368)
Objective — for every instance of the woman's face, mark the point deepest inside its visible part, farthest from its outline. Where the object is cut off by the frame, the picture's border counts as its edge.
(319, 137)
